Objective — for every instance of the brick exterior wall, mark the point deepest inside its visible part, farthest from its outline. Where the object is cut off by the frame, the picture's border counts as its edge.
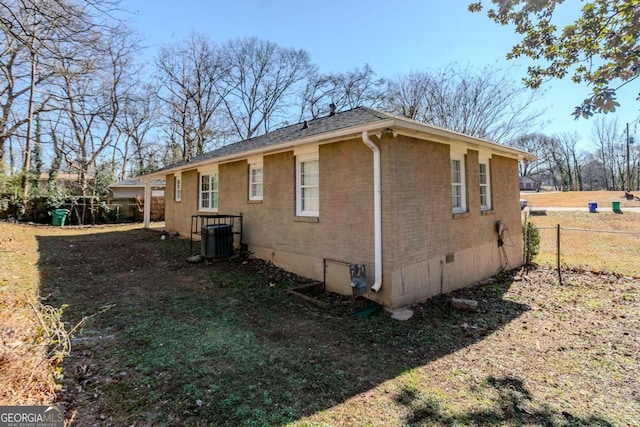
(426, 249)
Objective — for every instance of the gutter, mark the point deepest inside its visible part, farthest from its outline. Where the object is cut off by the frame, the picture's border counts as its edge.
(377, 210)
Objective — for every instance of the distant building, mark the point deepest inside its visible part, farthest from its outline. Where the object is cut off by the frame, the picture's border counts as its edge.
(528, 184)
(127, 199)
(131, 187)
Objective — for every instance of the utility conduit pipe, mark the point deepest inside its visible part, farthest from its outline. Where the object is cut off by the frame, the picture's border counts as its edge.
(377, 211)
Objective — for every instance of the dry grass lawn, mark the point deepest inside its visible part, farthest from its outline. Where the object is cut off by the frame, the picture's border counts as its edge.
(225, 344)
(578, 199)
(603, 241)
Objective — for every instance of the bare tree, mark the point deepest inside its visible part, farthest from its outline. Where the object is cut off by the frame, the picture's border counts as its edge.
(486, 103)
(262, 80)
(41, 29)
(607, 137)
(593, 172)
(565, 156)
(91, 98)
(357, 87)
(538, 144)
(192, 91)
(137, 118)
(408, 95)
(24, 33)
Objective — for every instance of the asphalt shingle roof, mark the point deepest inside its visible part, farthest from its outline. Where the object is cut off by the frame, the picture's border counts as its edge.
(341, 120)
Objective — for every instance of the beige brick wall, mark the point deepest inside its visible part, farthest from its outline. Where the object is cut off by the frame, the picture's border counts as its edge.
(343, 231)
(178, 214)
(426, 250)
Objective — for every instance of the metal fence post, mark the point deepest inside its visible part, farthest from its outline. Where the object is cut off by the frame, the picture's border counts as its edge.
(558, 253)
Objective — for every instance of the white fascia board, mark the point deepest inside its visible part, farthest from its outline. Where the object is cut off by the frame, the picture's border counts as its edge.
(444, 136)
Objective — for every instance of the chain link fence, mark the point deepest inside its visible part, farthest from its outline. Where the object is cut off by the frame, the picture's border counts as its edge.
(609, 251)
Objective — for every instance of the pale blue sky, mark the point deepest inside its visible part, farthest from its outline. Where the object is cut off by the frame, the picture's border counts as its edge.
(394, 37)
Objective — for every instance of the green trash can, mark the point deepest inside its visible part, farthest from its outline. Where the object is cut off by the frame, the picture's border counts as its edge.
(58, 217)
(615, 206)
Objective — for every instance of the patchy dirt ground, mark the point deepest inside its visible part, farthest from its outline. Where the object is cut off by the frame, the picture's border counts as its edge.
(171, 343)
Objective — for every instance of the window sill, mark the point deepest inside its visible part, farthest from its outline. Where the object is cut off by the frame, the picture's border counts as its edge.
(254, 202)
(460, 215)
(486, 212)
(306, 219)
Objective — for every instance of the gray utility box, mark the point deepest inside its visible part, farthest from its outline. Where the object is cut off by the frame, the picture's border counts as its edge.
(217, 241)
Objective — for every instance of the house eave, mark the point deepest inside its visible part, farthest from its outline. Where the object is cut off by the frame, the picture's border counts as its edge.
(444, 136)
(401, 126)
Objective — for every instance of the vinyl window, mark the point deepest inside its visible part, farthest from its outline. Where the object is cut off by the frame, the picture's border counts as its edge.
(256, 177)
(458, 187)
(208, 200)
(307, 185)
(178, 188)
(485, 185)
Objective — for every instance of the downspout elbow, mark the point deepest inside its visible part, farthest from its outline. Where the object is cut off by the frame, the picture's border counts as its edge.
(377, 211)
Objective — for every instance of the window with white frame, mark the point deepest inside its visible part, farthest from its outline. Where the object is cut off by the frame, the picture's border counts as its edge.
(178, 188)
(255, 181)
(485, 184)
(307, 185)
(458, 187)
(208, 194)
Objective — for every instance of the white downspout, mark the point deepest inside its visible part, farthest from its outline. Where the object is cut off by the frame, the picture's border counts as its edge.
(147, 203)
(377, 211)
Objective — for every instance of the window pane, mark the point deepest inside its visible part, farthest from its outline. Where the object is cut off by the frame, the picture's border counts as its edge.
(456, 196)
(311, 199)
(255, 183)
(483, 173)
(309, 173)
(214, 182)
(178, 185)
(455, 172)
(204, 182)
(256, 190)
(205, 200)
(214, 201)
(256, 175)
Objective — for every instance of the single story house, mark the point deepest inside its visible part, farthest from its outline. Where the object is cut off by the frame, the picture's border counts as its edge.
(528, 184)
(424, 209)
(127, 199)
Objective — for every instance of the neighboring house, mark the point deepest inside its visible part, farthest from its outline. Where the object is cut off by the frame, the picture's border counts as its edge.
(421, 207)
(127, 196)
(528, 184)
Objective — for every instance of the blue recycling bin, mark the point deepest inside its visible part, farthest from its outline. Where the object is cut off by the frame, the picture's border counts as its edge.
(593, 207)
